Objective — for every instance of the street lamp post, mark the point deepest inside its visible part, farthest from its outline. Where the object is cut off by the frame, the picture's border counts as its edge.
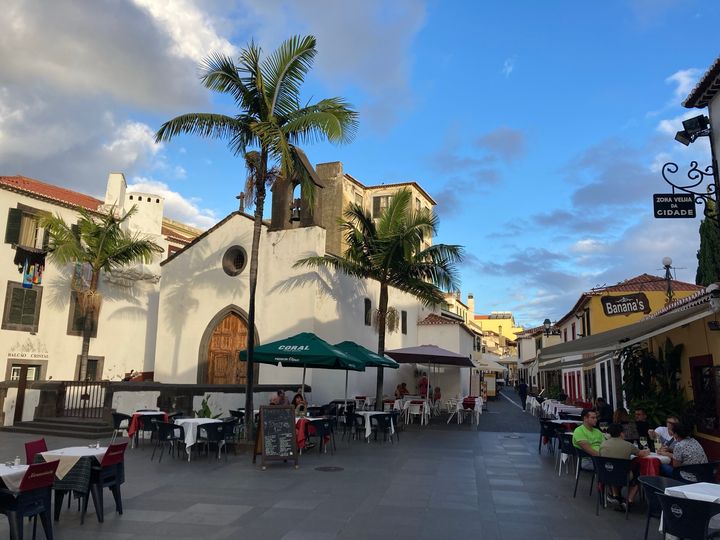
(694, 128)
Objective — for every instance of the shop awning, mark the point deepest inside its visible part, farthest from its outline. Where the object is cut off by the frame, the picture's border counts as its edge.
(619, 338)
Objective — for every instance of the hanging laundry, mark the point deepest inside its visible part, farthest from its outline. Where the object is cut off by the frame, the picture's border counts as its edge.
(27, 275)
(29, 255)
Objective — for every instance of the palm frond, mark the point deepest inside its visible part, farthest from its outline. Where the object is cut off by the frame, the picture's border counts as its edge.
(284, 72)
(343, 265)
(219, 73)
(217, 126)
(332, 119)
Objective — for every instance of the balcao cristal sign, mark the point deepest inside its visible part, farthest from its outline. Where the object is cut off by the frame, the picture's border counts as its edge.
(625, 304)
(672, 205)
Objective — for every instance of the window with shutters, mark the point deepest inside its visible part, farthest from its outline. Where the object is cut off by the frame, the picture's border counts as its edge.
(368, 312)
(76, 319)
(23, 228)
(22, 308)
(403, 322)
(380, 204)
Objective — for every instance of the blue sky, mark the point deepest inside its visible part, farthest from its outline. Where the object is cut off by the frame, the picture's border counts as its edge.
(539, 127)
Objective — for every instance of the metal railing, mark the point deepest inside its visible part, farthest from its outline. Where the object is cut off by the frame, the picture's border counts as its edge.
(83, 399)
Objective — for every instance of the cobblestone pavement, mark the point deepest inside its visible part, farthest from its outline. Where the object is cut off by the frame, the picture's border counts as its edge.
(442, 481)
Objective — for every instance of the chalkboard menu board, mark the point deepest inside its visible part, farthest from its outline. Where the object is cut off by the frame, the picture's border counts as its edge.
(275, 438)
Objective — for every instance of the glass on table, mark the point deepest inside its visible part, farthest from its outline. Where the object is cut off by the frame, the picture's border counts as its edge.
(643, 443)
(603, 426)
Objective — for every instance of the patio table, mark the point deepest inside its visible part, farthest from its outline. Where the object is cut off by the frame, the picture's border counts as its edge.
(460, 410)
(368, 429)
(701, 491)
(190, 426)
(11, 475)
(135, 422)
(650, 464)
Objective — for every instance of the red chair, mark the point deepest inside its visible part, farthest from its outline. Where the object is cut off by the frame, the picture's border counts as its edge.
(110, 474)
(33, 448)
(33, 499)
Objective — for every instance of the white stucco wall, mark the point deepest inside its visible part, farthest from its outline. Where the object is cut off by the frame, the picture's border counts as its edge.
(122, 337)
(129, 402)
(195, 289)
(9, 406)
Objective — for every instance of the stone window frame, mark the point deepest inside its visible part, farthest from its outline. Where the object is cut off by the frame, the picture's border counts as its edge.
(11, 361)
(18, 327)
(100, 366)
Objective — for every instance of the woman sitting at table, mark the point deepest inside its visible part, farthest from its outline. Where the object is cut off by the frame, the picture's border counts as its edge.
(298, 399)
(437, 396)
(398, 392)
(687, 451)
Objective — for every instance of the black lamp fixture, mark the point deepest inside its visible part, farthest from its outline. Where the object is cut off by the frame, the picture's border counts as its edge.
(547, 324)
(295, 210)
(698, 126)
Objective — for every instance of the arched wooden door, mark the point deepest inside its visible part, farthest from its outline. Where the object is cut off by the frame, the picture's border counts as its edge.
(227, 340)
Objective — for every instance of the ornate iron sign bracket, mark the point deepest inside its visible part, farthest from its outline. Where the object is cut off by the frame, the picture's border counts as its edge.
(696, 179)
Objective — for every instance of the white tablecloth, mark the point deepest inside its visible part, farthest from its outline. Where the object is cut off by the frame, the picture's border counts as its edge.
(368, 429)
(11, 476)
(460, 410)
(69, 456)
(190, 426)
(702, 491)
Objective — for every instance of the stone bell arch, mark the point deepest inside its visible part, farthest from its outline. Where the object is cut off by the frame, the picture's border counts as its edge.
(285, 196)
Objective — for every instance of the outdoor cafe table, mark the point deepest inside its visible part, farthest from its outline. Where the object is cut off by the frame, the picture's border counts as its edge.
(701, 491)
(550, 406)
(190, 426)
(135, 421)
(460, 408)
(650, 464)
(368, 428)
(11, 475)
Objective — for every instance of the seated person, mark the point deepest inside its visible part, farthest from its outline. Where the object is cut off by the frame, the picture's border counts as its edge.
(641, 422)
(617, 447)
(398, 392)
(404, 389)
(630, 432)
(423, 385)
(663, 435)
(279, 398)
(605, 411)
(298, 399)
(687, 451)
(587, 437)
(562, 396)
(437, 396)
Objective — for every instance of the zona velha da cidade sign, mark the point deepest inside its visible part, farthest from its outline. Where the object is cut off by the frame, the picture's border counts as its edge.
(673, 205)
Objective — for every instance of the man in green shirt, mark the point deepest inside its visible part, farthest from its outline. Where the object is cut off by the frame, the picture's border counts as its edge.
(587, 438)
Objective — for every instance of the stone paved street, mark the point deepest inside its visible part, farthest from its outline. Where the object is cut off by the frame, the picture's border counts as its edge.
(438, 482)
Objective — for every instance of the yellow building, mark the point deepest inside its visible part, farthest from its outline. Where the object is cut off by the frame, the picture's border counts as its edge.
(340, 189)
(501, 323)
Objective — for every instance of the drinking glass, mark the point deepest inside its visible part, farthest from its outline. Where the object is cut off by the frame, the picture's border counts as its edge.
(643, 443)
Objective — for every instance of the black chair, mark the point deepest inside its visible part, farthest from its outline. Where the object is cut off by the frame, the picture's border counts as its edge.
(651, 486)
(110, 474)
(213, 433)
(348, 423)
(687, 518)
(581, 455)
(118, 427)
(382, 423)
(175, 415)
(323, 429)
(33, 499)
(691, 474)
(566, 446)
(547, 430)
(314, 411)
(168, 435)
(231, 430)
(395, 416)
(610, 472)
(148, 422)
(358, 425)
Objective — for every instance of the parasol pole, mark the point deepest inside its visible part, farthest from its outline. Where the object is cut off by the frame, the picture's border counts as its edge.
(303, 384)
(346, 381)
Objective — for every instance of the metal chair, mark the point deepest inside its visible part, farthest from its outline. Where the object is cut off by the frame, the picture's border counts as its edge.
(110, 474)
(651, 486)
(690, 474)
(548, 431)
(212, 433)
(324, 430)
(33, 499)
(167, 435)
(687, 518)
(580, 455)
(567, 448)
(118, 427)
(610, 472)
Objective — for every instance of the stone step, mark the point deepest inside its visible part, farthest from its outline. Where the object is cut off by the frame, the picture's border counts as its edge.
(64, 427)
(38, 430)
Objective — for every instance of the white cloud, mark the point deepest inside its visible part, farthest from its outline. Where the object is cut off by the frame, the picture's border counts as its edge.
(192, 31)
(176, 206)
(588, 245)
(508, 66)
(684, 80)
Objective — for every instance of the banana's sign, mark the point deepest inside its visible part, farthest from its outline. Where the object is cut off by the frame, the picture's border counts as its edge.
(625, 304)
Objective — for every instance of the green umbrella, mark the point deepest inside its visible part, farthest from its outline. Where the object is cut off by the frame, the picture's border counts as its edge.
(304, 350)
(369, 358)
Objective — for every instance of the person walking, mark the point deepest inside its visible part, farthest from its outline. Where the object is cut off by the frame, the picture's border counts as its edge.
(522, 392)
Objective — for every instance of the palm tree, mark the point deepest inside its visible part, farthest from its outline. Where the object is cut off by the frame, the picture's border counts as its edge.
(390, 252)
(271, 119)
(101, 243)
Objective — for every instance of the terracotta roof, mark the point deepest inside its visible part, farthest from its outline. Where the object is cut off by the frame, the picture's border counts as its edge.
(646, 282)
(482, 317)
(437, 319)
(706, 88)
(700, 297)
(47, 191)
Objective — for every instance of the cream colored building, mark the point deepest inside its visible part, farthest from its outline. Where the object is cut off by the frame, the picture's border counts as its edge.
(339, 189)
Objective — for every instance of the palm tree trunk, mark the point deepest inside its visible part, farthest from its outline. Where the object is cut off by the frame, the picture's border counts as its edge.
(254, 255)
(89, 314)
(382, 317)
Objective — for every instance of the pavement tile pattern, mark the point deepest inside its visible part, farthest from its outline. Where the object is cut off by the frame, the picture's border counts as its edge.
(441, 481)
